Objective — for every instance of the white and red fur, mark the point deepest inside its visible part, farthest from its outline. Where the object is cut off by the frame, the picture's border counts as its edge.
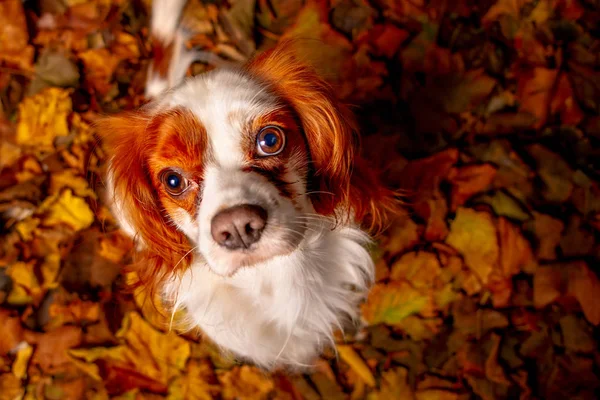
(278, 304)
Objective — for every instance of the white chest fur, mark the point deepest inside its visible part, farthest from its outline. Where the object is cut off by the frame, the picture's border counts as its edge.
(282, 312)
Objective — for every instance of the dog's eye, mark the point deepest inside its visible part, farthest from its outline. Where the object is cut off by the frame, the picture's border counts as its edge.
(174, 182)
(270, 141)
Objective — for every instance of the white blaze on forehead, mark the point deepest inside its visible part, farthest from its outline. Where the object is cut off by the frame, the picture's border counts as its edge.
(214, 97)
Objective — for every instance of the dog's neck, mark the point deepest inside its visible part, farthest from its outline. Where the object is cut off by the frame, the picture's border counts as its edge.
(285, 309)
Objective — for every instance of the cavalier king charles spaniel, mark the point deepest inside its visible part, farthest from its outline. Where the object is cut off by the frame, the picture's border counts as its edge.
(248, 201)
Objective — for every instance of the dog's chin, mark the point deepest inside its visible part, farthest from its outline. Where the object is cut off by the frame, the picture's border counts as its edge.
(228, 264)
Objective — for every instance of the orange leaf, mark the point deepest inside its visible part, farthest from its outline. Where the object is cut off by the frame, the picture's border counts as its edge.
(469, 180)
(473, 234)
(535, 93)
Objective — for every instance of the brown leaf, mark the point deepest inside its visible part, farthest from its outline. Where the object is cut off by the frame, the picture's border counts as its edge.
(473, 234)
(554, 172)
(548, 232)
(469, 180)
(515, 251)
(535, 93)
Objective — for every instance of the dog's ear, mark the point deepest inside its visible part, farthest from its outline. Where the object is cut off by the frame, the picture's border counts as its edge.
(129, 139)
(342, 180)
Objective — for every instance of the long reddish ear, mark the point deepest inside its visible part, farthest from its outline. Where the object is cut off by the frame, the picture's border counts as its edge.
(343, 181)
(129, 138)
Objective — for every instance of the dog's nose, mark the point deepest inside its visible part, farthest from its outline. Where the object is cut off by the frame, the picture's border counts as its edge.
(238, 227)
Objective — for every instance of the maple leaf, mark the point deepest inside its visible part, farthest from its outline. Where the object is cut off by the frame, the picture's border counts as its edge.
(469, 180)
(515, 251)
(150, 357)
(394, 385)
(14, 39)
(67, 209)
(574, 279)
(548, 231)
(421, 269)
(333, 54)
(348, 355)
(473, 234)
(245, 383)
(556, 174)
(43, 117)
(198, 383)
(393, 302)
(100, 65)
(535, 92)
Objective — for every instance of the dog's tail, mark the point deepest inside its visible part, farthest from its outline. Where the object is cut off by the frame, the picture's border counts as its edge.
(170, 59)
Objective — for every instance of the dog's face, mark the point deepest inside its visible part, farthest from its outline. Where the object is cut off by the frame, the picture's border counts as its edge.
(230, 168)
(233, 166)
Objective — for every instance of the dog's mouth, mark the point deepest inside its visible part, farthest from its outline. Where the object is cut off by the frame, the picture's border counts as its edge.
(276, 241)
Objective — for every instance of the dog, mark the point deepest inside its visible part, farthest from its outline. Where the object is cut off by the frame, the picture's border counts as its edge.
(248, 200)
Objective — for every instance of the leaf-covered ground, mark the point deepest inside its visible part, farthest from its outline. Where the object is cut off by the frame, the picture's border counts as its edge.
(485, 112)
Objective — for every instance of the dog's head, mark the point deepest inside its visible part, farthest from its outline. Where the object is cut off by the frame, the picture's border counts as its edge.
(234, 166)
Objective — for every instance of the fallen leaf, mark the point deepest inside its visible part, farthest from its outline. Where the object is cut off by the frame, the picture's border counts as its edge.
(548, 231)
(394, 385)
(350, 357)
(11, 387)
(469, 180)
(245, 383)
(473, 234)
(535, 93)
(577, 240)
(145, 353)
(554, 172)
(14, 39)
(421, 269)
(43, 118)
(515, 252)
(67, 209)
(577, 335)
(392, 302)
(564, 102)
(19, 367)
(198, 383)
(99, 67)
(401, 236)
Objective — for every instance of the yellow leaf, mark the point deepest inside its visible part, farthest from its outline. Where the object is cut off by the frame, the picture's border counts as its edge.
(246, 382)
(195, 384)
(50, 268)
(115, 246)
(68, 209)
(25, 285)
(10, 387)
(99, 65)
(19, 367)
(350, 356)
(156, 355)
(27, 228)
(473, 234)
(67, 178)
(421, 269)
(393, 302)
(43, 117)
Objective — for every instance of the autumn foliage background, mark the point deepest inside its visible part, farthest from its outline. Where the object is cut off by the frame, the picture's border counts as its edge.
(485, 112)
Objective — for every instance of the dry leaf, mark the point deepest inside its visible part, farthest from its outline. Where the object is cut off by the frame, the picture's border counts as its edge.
(68, 209)
(245, 383)
(473, 234)
(43, 118)
(393, 302)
